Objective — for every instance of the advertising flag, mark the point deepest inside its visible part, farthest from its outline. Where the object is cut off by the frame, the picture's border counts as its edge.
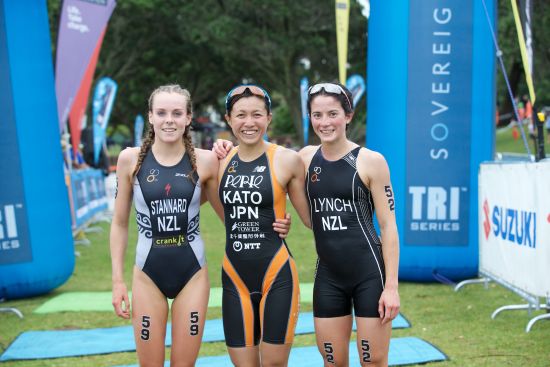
(78, 109)
(138, 130)
(304, 85)
(104, 98)
(356, 85)
(342, 27)
(526, 7)
(525, 56)
(80, 30)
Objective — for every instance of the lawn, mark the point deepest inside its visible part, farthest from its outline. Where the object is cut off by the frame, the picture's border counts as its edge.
(458, 323)
(506, 143)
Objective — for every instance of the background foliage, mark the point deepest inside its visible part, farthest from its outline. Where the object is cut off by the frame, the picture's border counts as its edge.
(210, 45)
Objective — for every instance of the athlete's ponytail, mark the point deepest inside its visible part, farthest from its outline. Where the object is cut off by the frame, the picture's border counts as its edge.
(145, 146)
(190, 149)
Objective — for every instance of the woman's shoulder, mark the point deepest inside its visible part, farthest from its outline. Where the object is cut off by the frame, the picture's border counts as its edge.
(128, 156)
(371, 163)
(308, 150)
(288, 155)
(207, 163)
(205, 155)
(307, 153)
(371, 156)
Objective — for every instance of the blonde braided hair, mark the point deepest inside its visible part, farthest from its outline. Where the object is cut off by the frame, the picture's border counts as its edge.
(150, 137)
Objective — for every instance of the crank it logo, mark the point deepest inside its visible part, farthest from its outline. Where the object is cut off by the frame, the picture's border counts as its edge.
(8, 227)
(435, 208)
(510, 224)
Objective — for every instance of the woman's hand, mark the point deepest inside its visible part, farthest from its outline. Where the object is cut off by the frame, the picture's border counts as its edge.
(221, 147)
(388, 305)
(121, 302)
(282, 225)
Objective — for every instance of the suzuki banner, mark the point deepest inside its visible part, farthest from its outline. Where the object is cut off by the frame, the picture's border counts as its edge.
(514, 224)
(104, 98)
(81, 27)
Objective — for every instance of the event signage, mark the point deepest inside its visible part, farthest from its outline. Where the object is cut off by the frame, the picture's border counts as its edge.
(89, 195)
(80, 28)
(14, 240)
(36, 245)
(138, 130)
(438, 123)
(304, 85)
(104, 97)
(78, 110)
(356, 85)
(342, 29)
(514, 225)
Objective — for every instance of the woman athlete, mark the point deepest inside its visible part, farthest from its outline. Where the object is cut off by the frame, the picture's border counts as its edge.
(165, 177)
(346, 185)
(260, 283)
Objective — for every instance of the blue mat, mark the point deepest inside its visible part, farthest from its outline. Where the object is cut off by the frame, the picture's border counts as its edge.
(70, 343)
(403, 351)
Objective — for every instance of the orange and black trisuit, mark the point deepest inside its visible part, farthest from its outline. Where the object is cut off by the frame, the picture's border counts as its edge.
(259, 277)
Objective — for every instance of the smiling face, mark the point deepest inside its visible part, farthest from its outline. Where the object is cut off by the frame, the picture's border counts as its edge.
(249, 120)
(328, 118)
(169, 116)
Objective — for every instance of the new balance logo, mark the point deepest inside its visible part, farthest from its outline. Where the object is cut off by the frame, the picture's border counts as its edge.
(259, 169)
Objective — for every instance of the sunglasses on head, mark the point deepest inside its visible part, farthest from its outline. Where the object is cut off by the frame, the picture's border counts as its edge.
(329, 88)
(254, 89)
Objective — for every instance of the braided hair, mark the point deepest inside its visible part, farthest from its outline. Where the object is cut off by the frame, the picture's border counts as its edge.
(150, 136)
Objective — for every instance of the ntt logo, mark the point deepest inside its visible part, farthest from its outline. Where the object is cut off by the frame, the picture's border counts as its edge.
(512, 225)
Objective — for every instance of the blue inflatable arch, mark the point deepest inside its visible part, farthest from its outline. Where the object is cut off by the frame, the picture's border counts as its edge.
(431, 90)
(36, 246)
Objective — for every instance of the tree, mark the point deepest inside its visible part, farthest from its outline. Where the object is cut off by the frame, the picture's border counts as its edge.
(209, 46)
(271, 38)
(508, 42)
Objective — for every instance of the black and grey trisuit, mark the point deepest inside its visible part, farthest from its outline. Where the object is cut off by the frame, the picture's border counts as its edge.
(350, 268)
(167, 201)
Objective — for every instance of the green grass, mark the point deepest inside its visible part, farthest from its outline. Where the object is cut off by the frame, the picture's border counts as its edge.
(458, 323)
(505, 142)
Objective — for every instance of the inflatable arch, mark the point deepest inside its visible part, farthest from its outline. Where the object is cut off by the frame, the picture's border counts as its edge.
(431, 98)
(36, 246)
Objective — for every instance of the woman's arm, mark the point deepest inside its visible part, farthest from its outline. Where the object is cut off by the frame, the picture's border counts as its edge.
(207, 166)
(290, 168)
(119, 230)
(222, 148)
(374, 172)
